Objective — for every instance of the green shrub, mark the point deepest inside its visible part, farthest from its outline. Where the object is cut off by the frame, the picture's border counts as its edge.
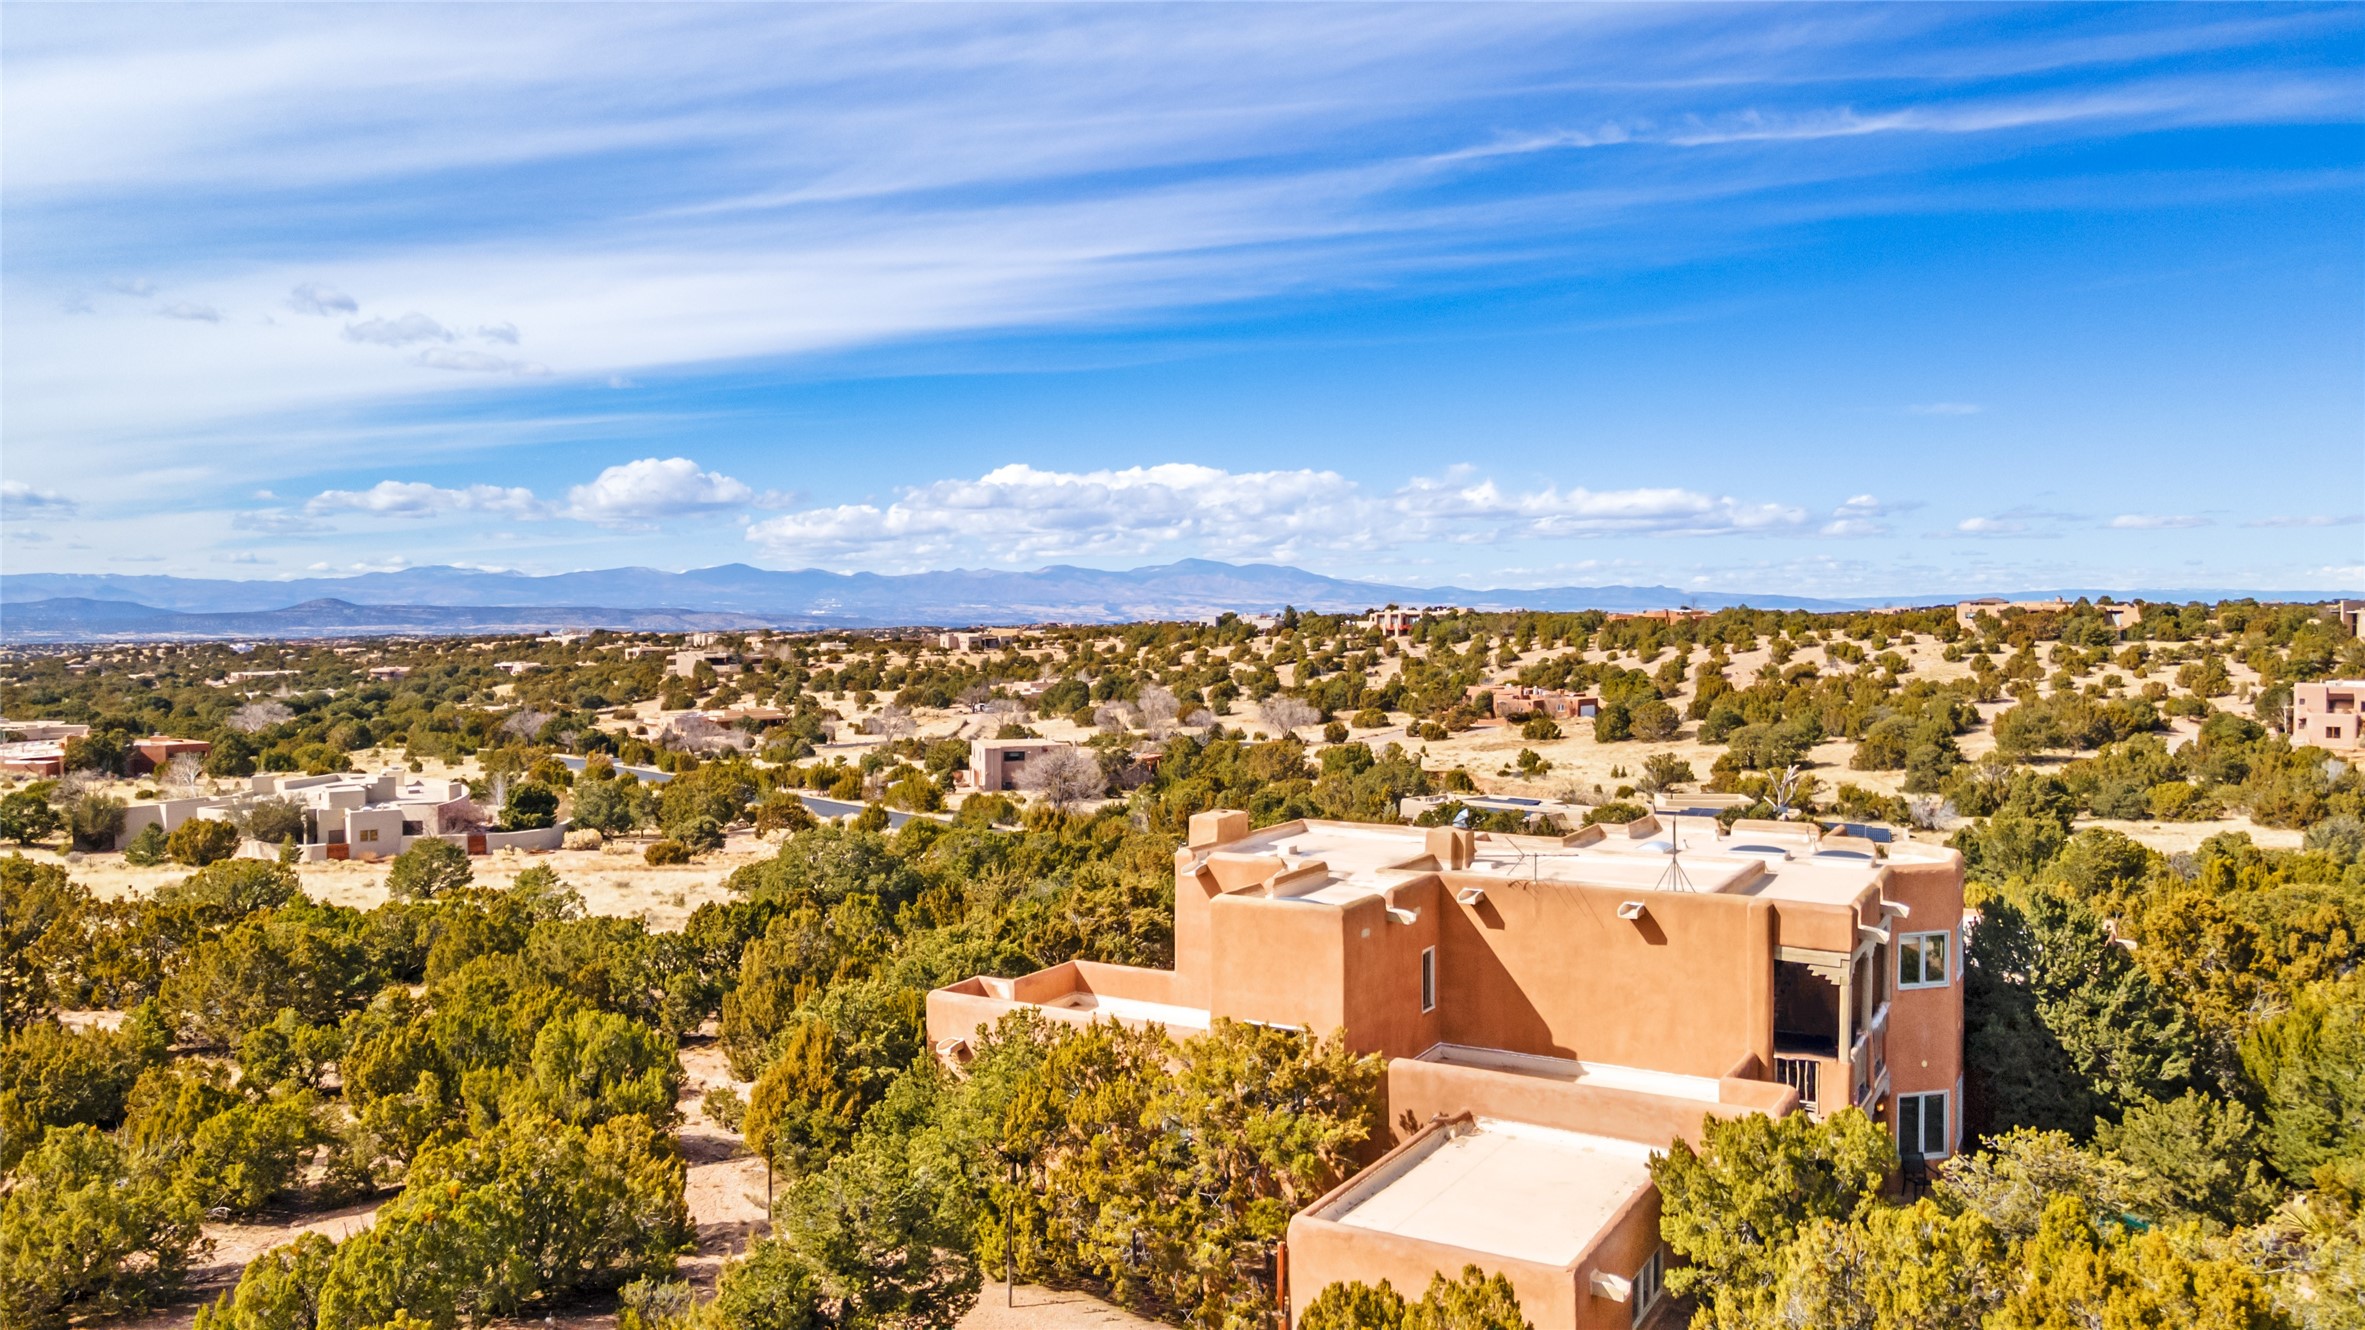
(85, 1231)
(201, 841)
(147, 849)
(431, 867)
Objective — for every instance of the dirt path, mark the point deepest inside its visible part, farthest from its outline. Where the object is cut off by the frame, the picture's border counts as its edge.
(1045, 1309)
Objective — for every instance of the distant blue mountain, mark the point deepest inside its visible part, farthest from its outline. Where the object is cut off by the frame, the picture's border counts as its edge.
(78, 606)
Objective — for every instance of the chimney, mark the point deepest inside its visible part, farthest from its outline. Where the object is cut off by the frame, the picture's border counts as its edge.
(1452, 847)
(1217, 826)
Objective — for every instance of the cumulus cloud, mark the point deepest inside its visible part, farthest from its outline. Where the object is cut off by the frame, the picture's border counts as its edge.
(1945, 409)
(411, 327)
(1020, 512)
(191, 310)
(20, 501)
(477, 362)
(654, 488)
(499, 332)
(1482, 511)
(1991, 526)
(320, 298)
(1859, 516)
(2156, 522)
(413, 498)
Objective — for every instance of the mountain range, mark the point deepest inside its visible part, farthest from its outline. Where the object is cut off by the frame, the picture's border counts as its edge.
(71, 607)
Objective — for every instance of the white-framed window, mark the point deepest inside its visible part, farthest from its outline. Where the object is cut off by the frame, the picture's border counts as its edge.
(1428, 979)
(1925, 960)
(369, 833)
(1649, 1282)
(1921, 1124)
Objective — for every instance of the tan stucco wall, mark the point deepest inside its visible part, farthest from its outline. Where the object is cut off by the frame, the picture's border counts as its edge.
(1549, 968)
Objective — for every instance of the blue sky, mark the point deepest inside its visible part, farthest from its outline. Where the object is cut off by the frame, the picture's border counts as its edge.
(1838, 300)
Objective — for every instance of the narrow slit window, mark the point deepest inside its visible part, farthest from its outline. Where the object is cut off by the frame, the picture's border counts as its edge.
(1429, 979)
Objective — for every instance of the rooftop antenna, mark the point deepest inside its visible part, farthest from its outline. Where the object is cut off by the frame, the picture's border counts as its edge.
(1674, 878)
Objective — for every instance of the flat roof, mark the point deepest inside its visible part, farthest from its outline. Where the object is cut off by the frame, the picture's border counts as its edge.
(1509, 1189)
(1642, 1080)
(1134, 1009)
(1366, 859)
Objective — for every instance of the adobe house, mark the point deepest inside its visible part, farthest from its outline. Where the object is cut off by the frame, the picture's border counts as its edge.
(1552, 1010)
(997, 764)
(2327, 715)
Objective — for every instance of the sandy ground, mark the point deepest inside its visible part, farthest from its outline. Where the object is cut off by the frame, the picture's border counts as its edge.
(614, 880)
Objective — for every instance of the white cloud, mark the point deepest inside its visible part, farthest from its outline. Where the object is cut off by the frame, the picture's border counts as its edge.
(411, 327)
(477, 362)
(499, 332)
(2308, 520)
(277, 522)
(1019, 513)
(1991, 526)
(192, 311)
(1859, 516)
(320, 298)
(1483, 511)
(2156, 522)
(20, 501)
(411, 498)
(133, 286)
(654, 488)
(1945, 409)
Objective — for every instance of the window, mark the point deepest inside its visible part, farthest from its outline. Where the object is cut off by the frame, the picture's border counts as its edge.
(1921, 1124)
(1428, 978)
(1922, 959)
(1649, 1282)
(369, 833)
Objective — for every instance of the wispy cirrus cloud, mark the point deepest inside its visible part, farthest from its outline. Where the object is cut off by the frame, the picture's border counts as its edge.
(403, 331)
(2157, 522)
(478, 362)
(2306, 521)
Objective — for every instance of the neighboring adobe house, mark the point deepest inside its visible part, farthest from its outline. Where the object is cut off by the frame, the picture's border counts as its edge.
(157, 751)
(350, 816)
(1552, 1009)
(683, 664)
(997, 764)
(33, 757)
(2351, 615)
(2121, 616)
(1515, 701)
(34, 731)
(2327, 715)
